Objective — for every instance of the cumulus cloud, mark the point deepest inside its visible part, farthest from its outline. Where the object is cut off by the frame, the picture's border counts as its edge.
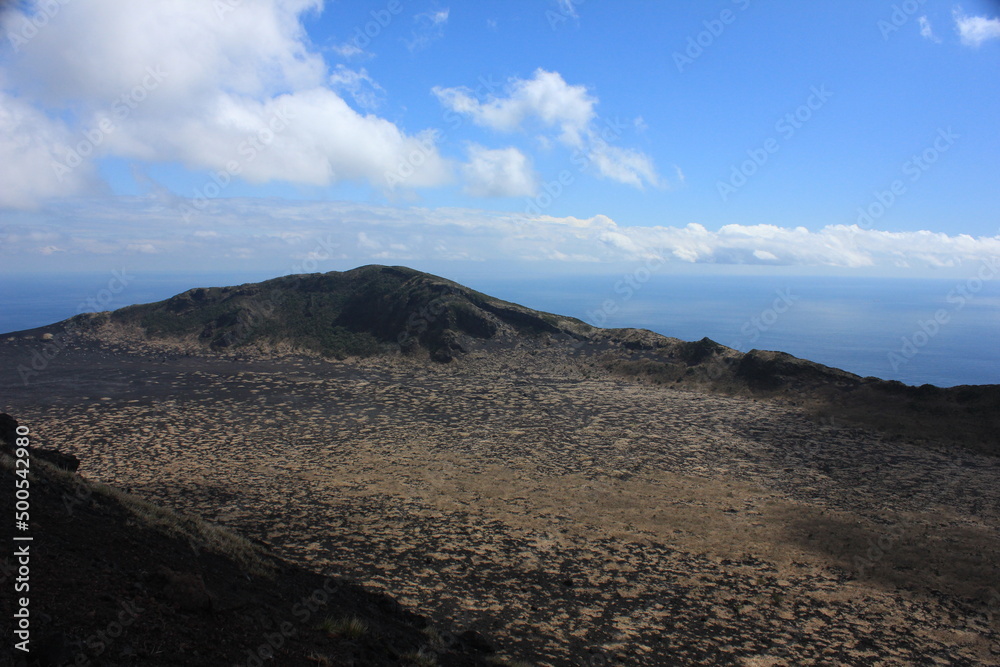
(99, 49)
(30, 143)
(974, 30)
(282, 235)
(219, 86)
(551, 103)
(546, 98)
(843, 246)
(504, 172)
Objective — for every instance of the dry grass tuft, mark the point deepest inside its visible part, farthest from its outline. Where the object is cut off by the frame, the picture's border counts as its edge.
(345, 627)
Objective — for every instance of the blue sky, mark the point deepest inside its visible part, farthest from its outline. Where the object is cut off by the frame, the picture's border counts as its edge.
(286, 134)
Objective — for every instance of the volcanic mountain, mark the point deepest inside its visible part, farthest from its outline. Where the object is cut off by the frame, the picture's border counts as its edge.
(393, 310)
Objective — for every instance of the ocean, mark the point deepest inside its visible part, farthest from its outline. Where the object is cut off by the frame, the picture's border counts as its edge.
(942, 332)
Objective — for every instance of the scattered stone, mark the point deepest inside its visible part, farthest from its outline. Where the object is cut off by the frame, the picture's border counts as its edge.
(476, 641)
(185, 590)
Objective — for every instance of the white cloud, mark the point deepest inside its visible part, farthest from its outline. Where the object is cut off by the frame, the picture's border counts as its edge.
(99, 49)
(30, 143)
(546, 97)
(208, 85)
(364, 90)
(926, 30)
(439, 17)
(504, 172)
(347, 50)
(620, 241)
(429, 28)
(278, 235)
(624, 165)
(549, 101)
(974, 30)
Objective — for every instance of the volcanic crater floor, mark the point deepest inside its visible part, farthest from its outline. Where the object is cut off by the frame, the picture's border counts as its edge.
(571, 517)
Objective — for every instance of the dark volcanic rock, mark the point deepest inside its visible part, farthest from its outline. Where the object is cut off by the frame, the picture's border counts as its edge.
(698, 351)
(766, 370)
(57, 458)
(8, 429)
(476, 642)
(185, 590)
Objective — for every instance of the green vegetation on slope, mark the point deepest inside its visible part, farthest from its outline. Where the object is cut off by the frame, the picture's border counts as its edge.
(339, 314)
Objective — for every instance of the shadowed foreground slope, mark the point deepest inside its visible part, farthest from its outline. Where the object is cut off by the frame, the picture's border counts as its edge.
(115, 580)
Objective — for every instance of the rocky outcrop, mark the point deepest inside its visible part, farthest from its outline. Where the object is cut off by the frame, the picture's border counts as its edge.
(57, 458)
(8, 429)
(8, 437)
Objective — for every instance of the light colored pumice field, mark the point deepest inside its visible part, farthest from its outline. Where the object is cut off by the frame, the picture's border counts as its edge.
(572, 517)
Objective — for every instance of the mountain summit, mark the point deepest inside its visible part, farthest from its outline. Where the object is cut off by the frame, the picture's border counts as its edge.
(361, 312)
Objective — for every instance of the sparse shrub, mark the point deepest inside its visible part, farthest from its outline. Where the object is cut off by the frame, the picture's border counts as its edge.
(421, 658)
(345, 627)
